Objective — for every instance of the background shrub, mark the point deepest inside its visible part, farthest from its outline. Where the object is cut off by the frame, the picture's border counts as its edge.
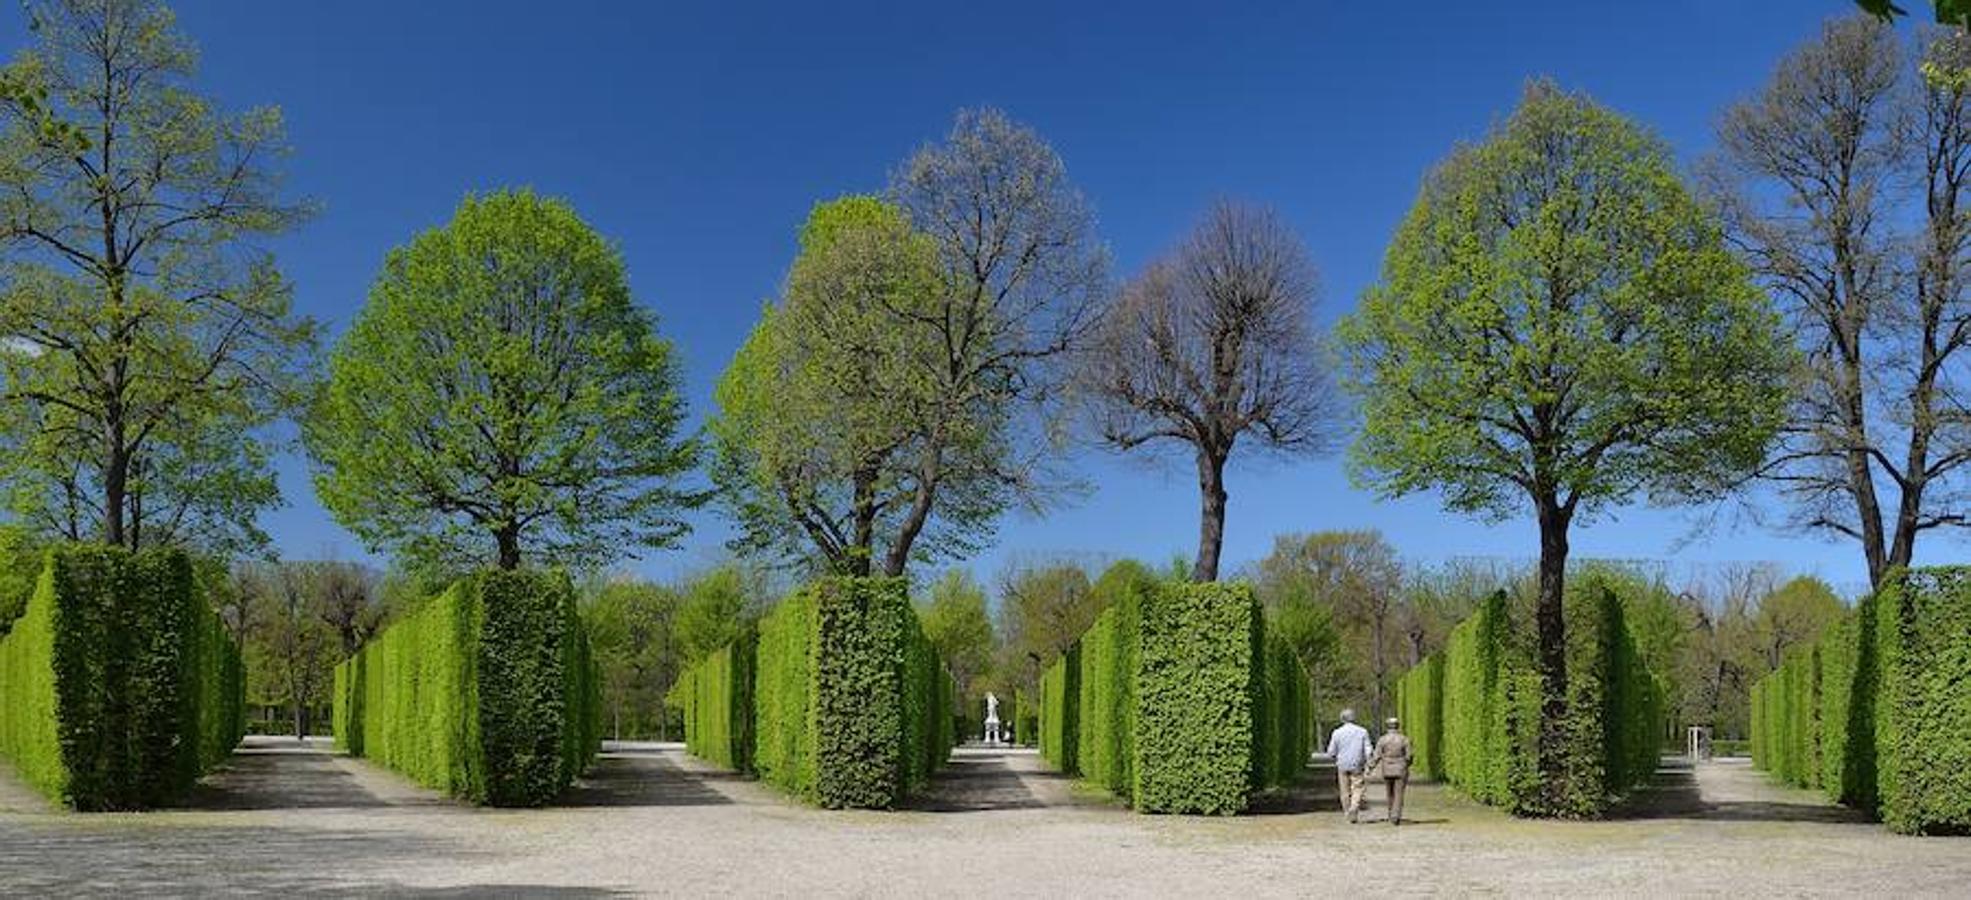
(1420, 704)
(1284, 713)
(487, 692)
(118, 687)
(1104, 718)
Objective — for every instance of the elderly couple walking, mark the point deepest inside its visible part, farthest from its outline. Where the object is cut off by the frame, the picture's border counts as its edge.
(1356, 761)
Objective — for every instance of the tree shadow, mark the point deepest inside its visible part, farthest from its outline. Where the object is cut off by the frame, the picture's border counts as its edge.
(1676, 793)
(981, 782)
(53, 857)
(279, 777)
(646, 777)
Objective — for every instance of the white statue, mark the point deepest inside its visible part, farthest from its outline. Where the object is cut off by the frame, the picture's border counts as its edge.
(992, 734)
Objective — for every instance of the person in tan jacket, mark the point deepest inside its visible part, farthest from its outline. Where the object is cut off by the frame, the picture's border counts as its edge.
(1391, 762)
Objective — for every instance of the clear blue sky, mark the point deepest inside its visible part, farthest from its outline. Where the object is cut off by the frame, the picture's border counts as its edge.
(697, 135)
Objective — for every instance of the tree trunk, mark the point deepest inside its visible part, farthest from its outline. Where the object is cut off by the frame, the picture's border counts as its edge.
(1548, 614)
(116, 480)
(508, 537)
(1211, 522)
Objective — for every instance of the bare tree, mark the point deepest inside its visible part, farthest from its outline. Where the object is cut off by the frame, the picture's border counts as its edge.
(1021, 272)
(1850, 138)
(348, 603)
(1211, 343)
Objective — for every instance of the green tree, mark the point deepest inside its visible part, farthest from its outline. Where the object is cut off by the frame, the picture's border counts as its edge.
(1794, 613)
(716, 606)
(1948, 12)
(824, 406)
(956, 621)
(1043, 610)
(631, 625)
(145, 341)
(1561, 326)
(501, 398)
(1338, 596)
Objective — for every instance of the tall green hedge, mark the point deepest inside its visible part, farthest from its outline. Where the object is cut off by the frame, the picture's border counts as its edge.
(488, 691)
(717, 699)
(1473, 711)
(118, 685)
(1876, 713)
(850, 705)
(1060, 711)
(1177, 701)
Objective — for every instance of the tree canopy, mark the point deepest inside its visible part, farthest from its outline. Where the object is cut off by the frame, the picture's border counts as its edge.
(145, 341)
(1560, 327)
(502, 398)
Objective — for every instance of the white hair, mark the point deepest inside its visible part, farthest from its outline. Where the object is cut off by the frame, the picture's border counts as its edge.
(1348, 715)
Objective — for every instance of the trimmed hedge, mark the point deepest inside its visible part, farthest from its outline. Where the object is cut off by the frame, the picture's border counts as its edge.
(849, 704)
(717, 698)
(488, 692)
(1473, 711)
(1875, 712)
(118, 685)
(1177, 701)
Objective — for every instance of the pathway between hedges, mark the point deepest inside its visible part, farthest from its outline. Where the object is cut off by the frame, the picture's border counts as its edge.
(287, 817)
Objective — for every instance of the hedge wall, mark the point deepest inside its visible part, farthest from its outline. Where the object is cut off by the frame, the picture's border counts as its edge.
(1473, 710)
(1177, 701)
(849, 703)
(488, 692)
(1875, 712)
(1060, 712)
(118, 686)
(716, 696)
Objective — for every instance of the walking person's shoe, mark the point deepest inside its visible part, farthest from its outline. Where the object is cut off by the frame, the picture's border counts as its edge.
(1351, 817)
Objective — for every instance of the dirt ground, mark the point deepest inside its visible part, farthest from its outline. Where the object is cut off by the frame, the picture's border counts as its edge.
(296, 818)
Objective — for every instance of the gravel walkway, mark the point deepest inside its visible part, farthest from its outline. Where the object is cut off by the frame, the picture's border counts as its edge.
(288, 818)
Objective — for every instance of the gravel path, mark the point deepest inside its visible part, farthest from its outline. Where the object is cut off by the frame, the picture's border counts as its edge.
(288, 818)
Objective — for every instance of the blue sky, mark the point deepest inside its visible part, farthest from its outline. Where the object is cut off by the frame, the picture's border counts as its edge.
(697, 135)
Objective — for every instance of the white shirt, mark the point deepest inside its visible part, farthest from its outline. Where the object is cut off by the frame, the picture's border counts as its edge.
(1349, 745)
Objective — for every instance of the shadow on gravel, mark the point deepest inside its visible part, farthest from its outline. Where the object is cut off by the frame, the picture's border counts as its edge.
(645, 778)
(1675, 794)
(277, 777)
(133, 857)
(979, 783)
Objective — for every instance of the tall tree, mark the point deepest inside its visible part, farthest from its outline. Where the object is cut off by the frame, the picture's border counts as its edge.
(145, 342)
(715, 606)
(956, 621)
(1212, 343)
(1819, 172)
(1350, 585)
(502, 399)
(824, 406)
(1794, 613)
(1561, 326)
(632, 625)
(1020, 272)
(1043, 609)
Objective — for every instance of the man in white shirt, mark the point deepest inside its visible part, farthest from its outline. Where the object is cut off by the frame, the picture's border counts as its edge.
(1349, 745)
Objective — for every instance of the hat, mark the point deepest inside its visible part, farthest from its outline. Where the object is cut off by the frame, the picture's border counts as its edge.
(1391, 721)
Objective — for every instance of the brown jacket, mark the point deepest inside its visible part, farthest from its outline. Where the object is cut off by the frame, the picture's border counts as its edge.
(1393, 755)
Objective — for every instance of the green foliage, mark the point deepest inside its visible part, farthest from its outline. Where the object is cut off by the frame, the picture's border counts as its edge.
(1026, 720)
(717, 609)
(1195, 683)
(488, 692)
(632, 627)
(502, 397)
(21, 562)
(1060, 712)
(1563, 257)
(1105, 706)
(717, 698)
(1473, 713)
(845, 698)
(1420, 706)
(959, 626)
(784, 752)
(150, 337)
(119, 685)
(1163, 679)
